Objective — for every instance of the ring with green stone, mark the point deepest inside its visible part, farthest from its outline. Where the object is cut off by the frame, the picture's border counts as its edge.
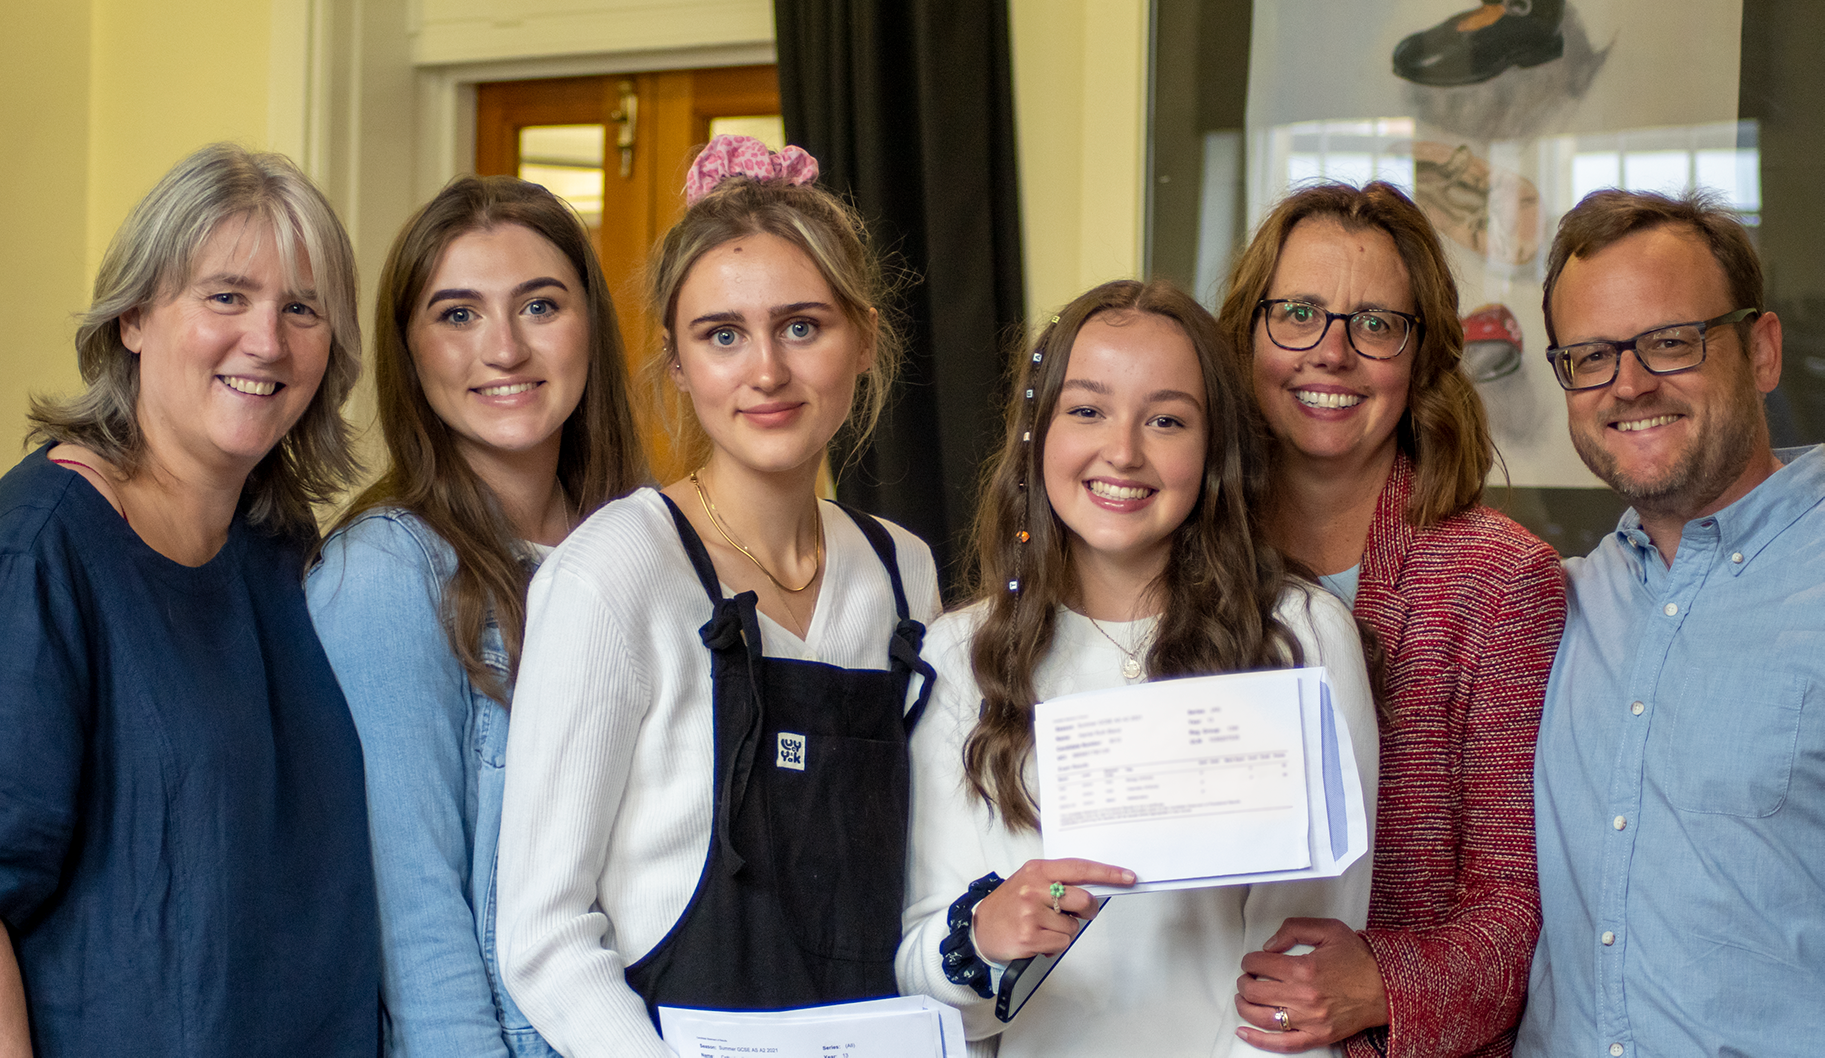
(1058, 893)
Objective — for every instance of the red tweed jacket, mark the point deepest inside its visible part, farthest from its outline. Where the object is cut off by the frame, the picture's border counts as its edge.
(1469, 612)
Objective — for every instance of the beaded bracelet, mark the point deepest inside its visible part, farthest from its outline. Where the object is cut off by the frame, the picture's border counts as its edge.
(962, 966)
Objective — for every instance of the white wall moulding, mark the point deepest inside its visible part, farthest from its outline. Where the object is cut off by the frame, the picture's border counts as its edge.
(469, 31)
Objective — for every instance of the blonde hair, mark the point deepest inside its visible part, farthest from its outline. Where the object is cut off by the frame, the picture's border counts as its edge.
(152, 256)
(831, 235)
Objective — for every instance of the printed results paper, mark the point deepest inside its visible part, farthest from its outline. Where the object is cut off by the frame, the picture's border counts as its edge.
(1236, 779)
(904, 1027)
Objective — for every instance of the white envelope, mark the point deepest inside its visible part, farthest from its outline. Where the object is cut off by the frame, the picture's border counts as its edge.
(1212, 780)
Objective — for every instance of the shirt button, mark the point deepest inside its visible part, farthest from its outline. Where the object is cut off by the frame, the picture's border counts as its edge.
(1616, 1050)
(1608, 938)
(1737, 558)
(1669, 609)
(1619, 823)
(1636, 708)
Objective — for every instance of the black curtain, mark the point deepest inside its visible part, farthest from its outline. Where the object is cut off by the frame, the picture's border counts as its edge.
(908, 107)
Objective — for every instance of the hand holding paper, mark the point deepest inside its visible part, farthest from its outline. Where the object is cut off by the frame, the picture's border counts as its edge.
(1016, 921)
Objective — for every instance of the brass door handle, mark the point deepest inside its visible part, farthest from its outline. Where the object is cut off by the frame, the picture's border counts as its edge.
(627, 117)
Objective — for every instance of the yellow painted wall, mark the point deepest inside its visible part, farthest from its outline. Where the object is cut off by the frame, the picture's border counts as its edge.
(164, 79)
(1080, 107)
(44, 104)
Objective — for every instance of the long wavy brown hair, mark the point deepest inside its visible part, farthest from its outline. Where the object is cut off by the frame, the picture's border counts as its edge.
(1218, 589)
(1444, 431)
(599, 454)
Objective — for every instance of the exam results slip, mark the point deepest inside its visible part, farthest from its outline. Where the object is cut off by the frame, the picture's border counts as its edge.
(896, 1027)
(1212, 780)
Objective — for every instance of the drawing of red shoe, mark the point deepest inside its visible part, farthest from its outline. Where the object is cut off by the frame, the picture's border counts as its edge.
(1472, 46)
(1492, 343)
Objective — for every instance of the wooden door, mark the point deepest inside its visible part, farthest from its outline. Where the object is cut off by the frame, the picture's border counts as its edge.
(675, 113)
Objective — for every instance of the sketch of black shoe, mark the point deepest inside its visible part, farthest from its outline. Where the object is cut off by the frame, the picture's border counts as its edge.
(1473, 46)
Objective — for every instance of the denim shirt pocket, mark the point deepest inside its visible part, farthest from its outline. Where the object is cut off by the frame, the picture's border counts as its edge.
(1731, 737)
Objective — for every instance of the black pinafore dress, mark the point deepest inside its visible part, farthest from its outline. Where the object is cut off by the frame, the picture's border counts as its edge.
(800, 896)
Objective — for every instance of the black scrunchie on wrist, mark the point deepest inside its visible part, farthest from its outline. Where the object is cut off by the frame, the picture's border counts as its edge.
(962, 966)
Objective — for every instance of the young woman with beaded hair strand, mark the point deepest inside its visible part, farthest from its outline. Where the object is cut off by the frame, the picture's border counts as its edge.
(1115, 543)
(706, 792)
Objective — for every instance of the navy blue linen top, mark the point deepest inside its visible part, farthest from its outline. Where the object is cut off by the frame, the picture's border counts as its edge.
(184, 862)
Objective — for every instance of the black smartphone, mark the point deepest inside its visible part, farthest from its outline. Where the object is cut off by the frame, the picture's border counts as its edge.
(1024, 976)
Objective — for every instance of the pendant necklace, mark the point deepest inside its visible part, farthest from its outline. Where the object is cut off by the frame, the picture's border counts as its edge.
(716, 520)
(1131, 659)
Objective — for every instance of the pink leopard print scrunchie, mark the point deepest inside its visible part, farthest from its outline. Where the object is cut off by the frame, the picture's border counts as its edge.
(728, 156)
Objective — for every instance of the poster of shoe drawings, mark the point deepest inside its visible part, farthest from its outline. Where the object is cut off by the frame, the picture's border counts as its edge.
(1497, 117)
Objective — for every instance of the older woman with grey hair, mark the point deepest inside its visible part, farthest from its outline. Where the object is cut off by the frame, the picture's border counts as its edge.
(183, 840)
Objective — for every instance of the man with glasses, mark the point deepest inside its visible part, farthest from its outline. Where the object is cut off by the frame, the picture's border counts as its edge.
(1679, 784)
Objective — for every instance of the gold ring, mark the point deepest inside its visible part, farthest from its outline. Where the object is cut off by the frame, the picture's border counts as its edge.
(1280, 1019)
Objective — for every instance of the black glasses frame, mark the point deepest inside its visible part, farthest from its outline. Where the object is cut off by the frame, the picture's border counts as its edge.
(1415, 326)
(1559, 356)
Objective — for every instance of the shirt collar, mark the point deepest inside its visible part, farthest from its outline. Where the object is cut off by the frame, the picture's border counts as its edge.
(1751, 523)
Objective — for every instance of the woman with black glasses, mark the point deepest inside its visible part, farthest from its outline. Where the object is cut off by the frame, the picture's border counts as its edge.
(1347, 315)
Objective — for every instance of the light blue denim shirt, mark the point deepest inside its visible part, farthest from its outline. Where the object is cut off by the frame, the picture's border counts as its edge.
(435, 748)
(1679, 789)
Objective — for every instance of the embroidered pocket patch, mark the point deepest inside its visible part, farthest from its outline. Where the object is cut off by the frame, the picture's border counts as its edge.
(791, 751)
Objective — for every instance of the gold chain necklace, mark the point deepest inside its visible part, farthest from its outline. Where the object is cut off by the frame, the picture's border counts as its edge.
(716, 520)
(1131, 660)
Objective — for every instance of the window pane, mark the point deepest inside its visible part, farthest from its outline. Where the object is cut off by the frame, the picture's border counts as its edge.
(1668, 172)
(567, 160)
(769, 129)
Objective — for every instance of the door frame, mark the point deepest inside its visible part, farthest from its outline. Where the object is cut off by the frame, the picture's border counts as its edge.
(677, 108)
(446, 96)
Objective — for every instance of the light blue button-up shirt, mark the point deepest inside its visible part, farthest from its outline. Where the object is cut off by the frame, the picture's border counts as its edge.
(435, 748)
(1679, 789)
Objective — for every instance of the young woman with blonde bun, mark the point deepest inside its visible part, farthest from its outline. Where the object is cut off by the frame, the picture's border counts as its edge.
(706, 777)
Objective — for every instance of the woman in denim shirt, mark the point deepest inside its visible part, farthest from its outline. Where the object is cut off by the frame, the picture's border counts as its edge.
(502, 400)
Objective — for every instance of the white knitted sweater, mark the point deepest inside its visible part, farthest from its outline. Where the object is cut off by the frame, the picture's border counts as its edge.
(606, 821)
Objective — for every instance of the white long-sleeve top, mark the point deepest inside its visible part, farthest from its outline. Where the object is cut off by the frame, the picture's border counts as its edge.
(1156, 973)
(605, 825)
